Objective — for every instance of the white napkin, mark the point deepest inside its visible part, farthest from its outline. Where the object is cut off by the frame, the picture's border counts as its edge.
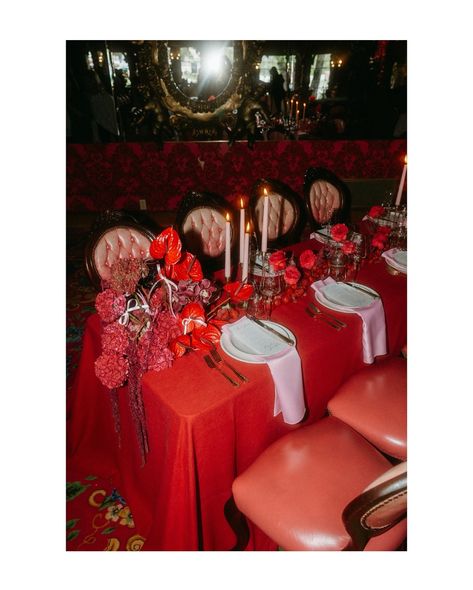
(374, 324)
(283, 361)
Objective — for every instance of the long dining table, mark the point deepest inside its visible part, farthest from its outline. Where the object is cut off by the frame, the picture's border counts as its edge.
(202, 430)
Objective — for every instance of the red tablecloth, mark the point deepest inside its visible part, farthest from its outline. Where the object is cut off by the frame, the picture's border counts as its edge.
(202, 431)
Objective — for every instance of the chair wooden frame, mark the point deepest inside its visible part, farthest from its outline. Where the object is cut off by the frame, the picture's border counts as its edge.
(370, 502)
(105, 222)
(274, 186)
(342, 215)
(196, 200)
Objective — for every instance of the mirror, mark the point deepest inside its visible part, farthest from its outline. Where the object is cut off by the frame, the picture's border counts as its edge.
(200, 80)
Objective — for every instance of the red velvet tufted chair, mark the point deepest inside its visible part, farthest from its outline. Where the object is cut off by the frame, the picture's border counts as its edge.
(324, 488)
(374, 403)
(201, 223)
(327, 198)
(115, 235)
(286, 212)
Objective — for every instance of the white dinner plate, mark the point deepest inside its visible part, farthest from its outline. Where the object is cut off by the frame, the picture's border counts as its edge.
(343, 297)
(401, 257)
(230, 348)
(396, 259)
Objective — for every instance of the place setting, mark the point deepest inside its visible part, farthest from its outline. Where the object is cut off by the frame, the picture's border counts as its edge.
(355, 298)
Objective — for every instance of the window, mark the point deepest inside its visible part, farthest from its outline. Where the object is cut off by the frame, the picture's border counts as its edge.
(320, 75)
(119, 67)
(283, 63)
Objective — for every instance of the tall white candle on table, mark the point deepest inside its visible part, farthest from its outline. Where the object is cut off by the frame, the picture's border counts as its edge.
(228, 267)
(264, 232)
(303, 113)
(242, 231)
(246, 254)
(401, 184)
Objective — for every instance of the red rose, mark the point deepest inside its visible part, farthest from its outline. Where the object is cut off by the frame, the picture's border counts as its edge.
(278, 260)
(339, 232)
(376, 211)
(307, 259)
(292, 275)
(348, 247)
(311, 98)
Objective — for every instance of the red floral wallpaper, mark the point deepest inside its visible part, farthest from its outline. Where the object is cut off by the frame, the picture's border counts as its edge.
(118, 175)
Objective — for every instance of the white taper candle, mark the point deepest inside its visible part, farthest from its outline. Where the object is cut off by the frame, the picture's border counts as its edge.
(228, 267)
(242, 231)
(401, 184)
(246, 254)
(264, 231)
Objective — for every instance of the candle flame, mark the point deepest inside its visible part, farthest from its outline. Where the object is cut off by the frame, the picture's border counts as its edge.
(265, 192)
(248, 227)
(241, 203)
(227, 216)
(405, 159)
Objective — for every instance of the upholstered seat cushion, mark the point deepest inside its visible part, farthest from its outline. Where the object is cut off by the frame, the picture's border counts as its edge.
(297, 489)
(118, 243)
(281, 215)
(374, 403)
(204, 228)
(324, 200)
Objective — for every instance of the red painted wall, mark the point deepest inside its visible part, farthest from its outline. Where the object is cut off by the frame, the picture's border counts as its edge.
(118, 175)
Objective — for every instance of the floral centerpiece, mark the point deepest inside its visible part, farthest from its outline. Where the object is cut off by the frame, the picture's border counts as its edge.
(153, 312)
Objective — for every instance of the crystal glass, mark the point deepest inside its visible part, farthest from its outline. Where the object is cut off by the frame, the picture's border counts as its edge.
(338, 264)
(271, 283)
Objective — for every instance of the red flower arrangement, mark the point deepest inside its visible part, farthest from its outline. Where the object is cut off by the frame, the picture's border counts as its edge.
(376, 211)
(150, 320)
(307, 259)
(292, 275)
(278, 260)
(339, 232)
(381, 237)
(348, 247)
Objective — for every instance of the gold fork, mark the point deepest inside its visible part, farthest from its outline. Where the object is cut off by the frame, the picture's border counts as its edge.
(315, 315)
(212, 365)
(219, 360)
(315, 309)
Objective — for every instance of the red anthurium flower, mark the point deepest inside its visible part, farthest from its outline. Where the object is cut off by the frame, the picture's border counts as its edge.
(376, 211)
(238, 292)
(188, 268)
(339, 232)
(180, 345)
(192, 315)
(278, 260)
(205, 337)
(167, 245)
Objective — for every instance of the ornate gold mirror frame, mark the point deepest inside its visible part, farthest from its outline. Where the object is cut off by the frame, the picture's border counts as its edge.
(156, 83)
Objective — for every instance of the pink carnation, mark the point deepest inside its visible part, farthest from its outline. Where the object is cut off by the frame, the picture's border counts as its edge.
(160, 359)
(292, 275)
(115, 338)
(112, 369)
(109, 305)
(307, 259)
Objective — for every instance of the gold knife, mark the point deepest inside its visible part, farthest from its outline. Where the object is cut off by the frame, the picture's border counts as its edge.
(272, 330)
(359, 288)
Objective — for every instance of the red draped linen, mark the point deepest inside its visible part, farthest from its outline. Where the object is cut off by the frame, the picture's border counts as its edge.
(202, 431)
